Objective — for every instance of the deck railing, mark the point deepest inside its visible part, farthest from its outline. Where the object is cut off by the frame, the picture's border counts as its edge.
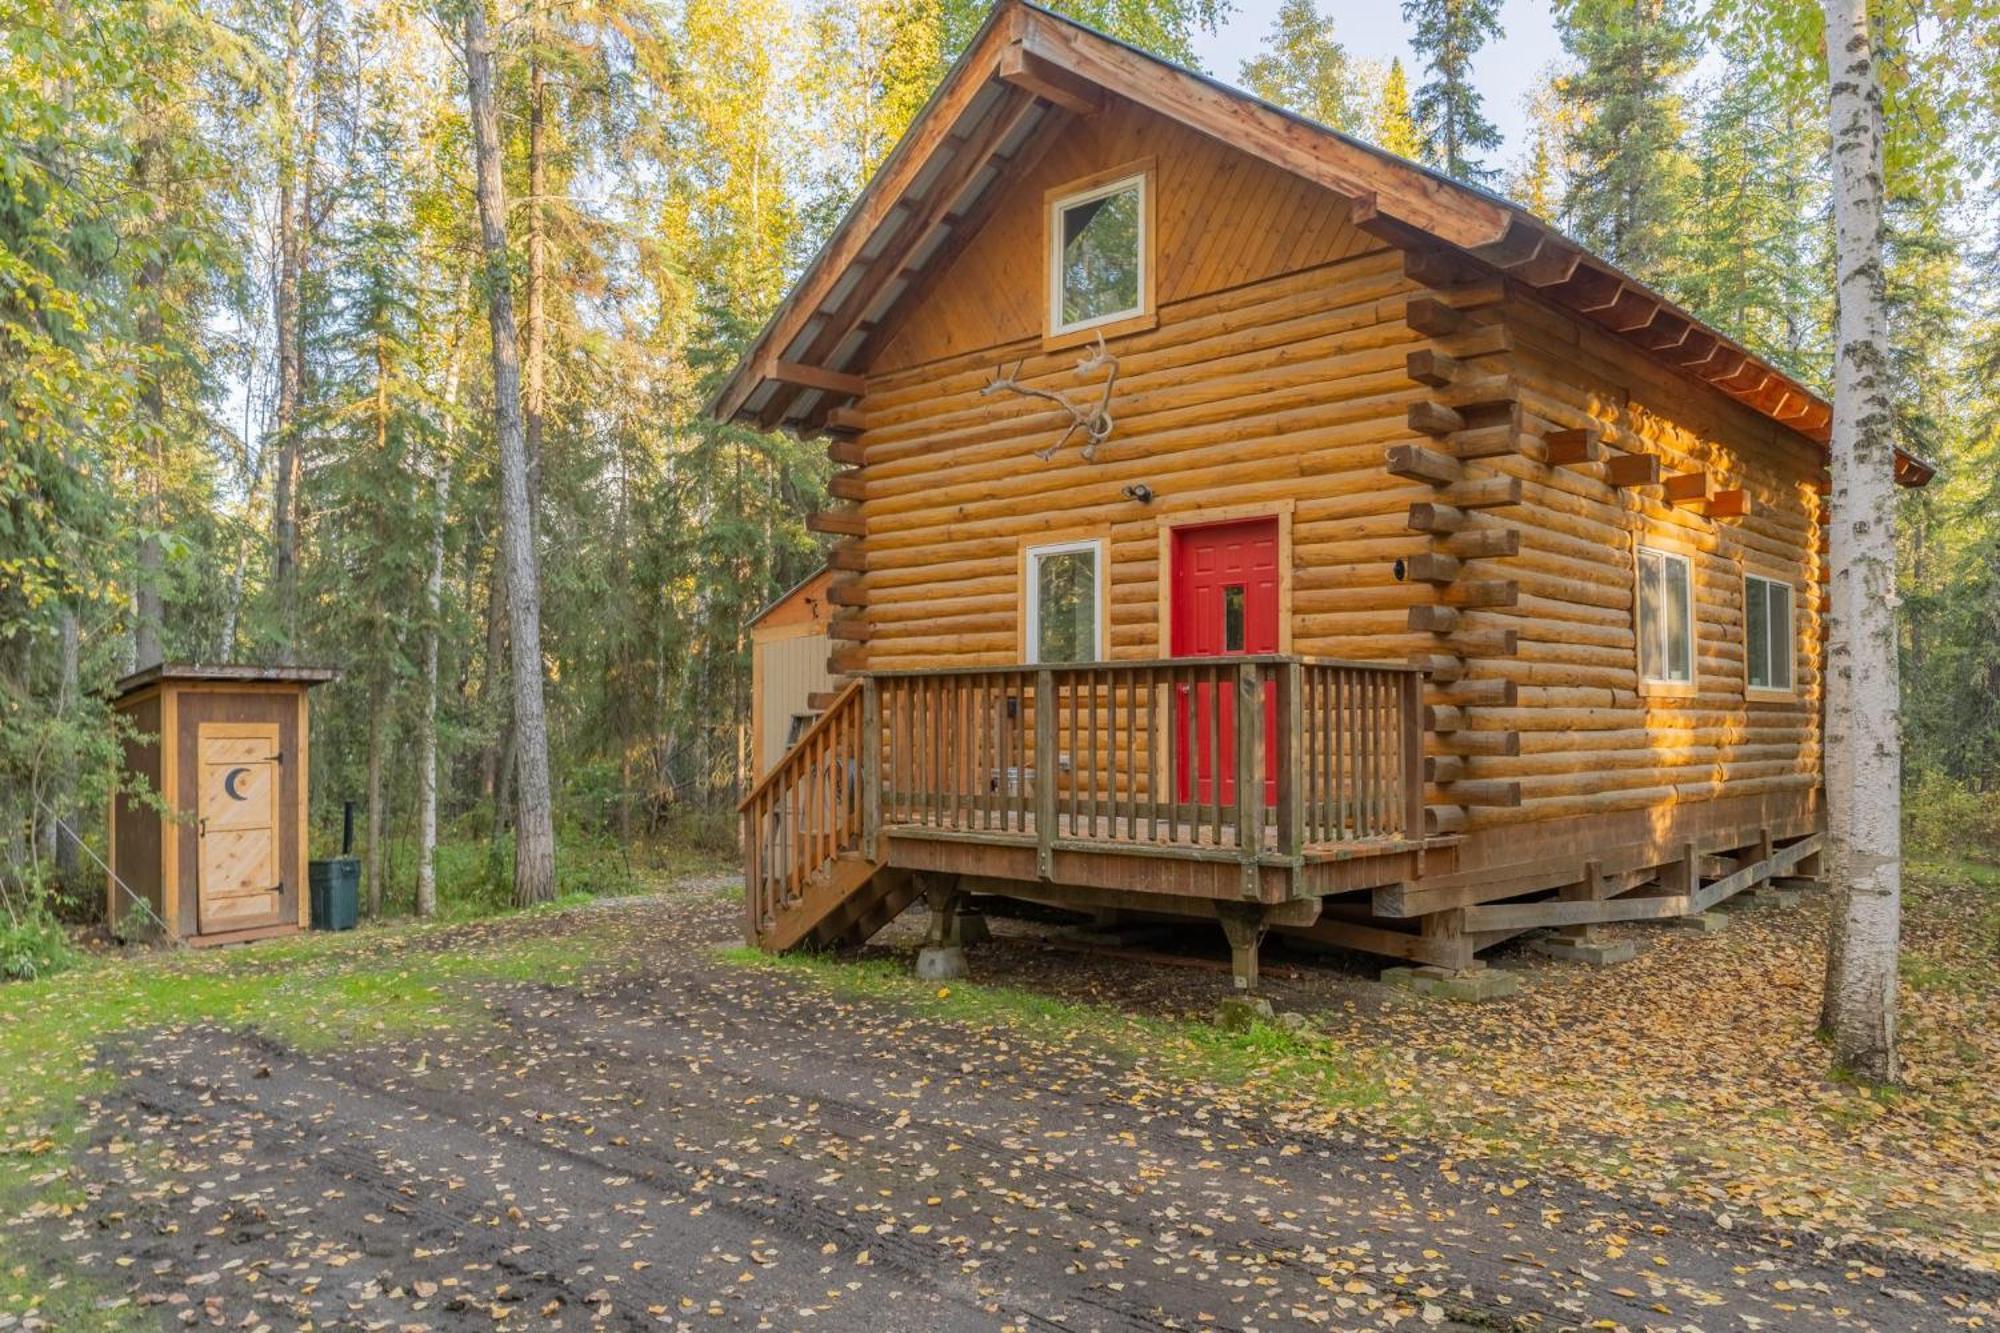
(1148, 753)
(806, 811)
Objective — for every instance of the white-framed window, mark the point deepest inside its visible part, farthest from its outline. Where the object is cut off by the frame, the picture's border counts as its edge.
(1768, 634)
(1666, 618)
(1065, 596)
(1097, 255)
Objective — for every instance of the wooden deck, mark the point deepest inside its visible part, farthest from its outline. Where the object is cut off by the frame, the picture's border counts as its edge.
(1113, 776)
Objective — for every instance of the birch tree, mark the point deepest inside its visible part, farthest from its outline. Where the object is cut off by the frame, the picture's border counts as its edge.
(534, 828)
(1863, 709)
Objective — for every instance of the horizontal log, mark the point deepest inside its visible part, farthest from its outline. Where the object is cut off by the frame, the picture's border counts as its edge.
(1429, 516)
(1490, 744)
(1485, 792)
(1422, 464)
(849, 555)
(846, 452)
(1478, 340)
(1429, 418)
(1484, 642)
(1438, 666)
(1487, 442)
(1633, 470)
(1443, 718)
(847, 485)
(1429, 316)
(1484, 493)
(1432, 568)
(1429, 366)
(1685, 487)
(1482, 593)
(1430, 619)
(1482, 393)
(844, 421)
(1489, 691)
(1566, 448)
(1578, 912)
(1441, 768)
(847, 592)
(1443, 820)
(838, 522)
(850, 629)
(1483, 543)
(1729, 504)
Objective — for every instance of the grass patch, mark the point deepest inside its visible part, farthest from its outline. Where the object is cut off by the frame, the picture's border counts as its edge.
(1278, 1063)
(315, 992)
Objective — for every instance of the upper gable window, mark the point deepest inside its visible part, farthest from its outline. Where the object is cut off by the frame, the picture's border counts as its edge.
(1098, 260)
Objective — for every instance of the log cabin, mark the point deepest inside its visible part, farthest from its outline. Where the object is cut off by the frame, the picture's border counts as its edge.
(1159, 409)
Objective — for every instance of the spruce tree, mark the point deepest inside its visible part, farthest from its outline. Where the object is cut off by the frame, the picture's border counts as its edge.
(1394, 124)
(1629, 169)
(1449, 34)
(1305, 69)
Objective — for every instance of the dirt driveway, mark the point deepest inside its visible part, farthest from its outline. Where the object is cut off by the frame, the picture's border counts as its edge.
(694, 1143)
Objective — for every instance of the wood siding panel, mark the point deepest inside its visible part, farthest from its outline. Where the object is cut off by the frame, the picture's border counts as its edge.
(1210, 198)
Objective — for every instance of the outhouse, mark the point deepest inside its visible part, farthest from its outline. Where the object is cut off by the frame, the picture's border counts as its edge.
(226, 750)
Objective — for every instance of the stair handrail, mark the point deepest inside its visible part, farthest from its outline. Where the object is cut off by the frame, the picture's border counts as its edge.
(779, 769)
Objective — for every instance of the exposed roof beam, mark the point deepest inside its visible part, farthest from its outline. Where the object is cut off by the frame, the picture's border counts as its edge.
(1051, 83)
(812, 377)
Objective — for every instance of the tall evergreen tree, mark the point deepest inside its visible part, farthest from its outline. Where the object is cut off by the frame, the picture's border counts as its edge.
(1393, 124)
(1448, 35)
(1629, 169)
(1304, 68)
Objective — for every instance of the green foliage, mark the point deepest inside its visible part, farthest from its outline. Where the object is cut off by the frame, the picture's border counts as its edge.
(1393, 125)
(1629, 171)
(1304, 68)
(1948, 819)
(1447, 36)
(33, 944)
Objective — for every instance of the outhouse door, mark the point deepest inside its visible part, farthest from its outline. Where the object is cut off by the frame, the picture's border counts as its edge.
(240, 883)
(1225, 604)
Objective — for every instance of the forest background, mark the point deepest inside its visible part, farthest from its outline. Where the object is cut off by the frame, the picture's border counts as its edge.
(246, 408)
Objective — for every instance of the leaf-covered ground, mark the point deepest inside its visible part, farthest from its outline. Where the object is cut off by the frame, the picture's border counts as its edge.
(1692, 1073)
(604, 1117)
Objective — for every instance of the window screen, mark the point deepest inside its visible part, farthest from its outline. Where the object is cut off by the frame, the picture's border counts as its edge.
(1666, 617)
(1767, 632)
(1063, 620)
(1100, 254)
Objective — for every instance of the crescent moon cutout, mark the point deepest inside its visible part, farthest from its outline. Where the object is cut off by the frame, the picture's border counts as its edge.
(229, 783)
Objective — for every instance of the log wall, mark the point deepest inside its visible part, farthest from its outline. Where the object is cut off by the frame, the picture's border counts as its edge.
(1457, 425)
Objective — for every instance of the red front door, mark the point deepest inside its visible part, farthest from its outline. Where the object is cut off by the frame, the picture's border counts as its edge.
(1225, 604)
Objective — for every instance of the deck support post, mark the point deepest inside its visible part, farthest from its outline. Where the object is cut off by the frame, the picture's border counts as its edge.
(1446, 940)
(942, 956)
(1243, 924)
(1588, 889)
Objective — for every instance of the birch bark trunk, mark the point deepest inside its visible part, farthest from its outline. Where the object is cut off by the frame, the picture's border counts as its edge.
(427, 756)
(1863, 713)
(534, 829)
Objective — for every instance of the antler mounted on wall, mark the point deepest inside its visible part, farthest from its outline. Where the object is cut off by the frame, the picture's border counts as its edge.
(1094, 422)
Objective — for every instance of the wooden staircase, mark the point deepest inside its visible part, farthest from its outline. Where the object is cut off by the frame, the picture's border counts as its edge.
(808, 878)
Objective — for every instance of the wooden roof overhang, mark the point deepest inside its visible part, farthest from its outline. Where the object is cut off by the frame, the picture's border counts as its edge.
(193, 672)
(1025, 74)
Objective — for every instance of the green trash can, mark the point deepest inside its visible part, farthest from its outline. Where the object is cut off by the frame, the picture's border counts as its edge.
(336, 892)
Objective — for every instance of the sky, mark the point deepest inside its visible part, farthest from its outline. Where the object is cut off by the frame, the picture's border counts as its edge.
(1507, 70)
